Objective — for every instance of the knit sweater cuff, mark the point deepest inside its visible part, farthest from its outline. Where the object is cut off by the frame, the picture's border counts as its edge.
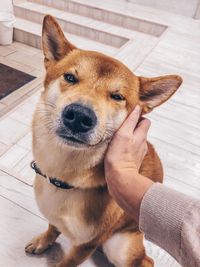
(161, 215)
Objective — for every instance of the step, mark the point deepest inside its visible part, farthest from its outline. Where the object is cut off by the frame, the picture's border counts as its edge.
(106, 15)
(75, 24)
(29, 33)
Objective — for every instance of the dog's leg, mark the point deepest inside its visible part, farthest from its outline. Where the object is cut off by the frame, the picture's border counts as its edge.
(126, 249)
(38, 244)
(77, 255)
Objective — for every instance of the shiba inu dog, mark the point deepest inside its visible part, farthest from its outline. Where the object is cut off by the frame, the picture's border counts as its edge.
(86, 97)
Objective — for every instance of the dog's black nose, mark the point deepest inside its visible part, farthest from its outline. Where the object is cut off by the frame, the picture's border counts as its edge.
(79, 119)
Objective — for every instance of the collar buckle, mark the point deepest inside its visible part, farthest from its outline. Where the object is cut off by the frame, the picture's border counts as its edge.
(48, 179)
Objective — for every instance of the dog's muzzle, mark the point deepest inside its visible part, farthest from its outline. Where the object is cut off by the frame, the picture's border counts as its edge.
(78, 122)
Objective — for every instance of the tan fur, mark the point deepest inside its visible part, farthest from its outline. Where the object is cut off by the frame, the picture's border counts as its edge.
(87, 214)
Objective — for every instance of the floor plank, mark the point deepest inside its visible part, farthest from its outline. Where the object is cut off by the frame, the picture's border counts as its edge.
(18, 192)
(12, 131)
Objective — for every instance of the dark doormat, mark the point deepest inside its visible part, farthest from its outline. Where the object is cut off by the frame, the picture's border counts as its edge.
(12, 79)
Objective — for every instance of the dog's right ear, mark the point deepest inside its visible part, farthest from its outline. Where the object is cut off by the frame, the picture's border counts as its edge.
(55, 45)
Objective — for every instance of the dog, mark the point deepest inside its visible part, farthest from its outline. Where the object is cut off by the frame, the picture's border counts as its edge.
(87, 96)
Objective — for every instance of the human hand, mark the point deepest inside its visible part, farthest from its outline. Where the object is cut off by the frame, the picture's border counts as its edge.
(128, 146)
(123, 160)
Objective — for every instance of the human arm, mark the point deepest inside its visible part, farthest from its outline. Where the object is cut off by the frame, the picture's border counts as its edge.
(171, 220)
(123, 160)
(167, 218)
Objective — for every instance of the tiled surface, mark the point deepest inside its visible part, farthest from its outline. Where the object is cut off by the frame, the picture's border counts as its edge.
(175, 126)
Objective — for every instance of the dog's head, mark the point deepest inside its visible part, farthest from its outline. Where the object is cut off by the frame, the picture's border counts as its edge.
(88, 95)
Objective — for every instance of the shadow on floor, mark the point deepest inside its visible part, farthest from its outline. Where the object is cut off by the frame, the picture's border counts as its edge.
(56, 253)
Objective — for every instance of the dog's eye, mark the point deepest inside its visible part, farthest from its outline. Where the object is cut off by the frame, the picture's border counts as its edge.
(117, 96)
(70, 78)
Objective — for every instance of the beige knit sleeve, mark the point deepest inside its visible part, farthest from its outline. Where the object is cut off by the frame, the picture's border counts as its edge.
(172, 221)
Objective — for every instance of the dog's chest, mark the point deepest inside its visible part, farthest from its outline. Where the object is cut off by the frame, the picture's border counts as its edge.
(65, 210)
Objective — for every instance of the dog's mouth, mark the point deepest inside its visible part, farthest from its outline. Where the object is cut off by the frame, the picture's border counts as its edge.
(76, 141)
(72, 140)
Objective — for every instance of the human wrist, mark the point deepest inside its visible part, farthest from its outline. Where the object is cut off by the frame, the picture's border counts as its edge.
(117, 168)
(142, 187)
(126, 183)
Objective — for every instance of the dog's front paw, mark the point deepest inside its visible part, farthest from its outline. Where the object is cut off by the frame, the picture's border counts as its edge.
(37, 245)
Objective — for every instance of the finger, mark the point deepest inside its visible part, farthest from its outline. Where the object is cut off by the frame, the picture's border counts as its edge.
(142, 129)
(130, 123)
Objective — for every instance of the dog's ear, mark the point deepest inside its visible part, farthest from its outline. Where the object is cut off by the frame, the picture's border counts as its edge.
(154, 91)
(55, 45)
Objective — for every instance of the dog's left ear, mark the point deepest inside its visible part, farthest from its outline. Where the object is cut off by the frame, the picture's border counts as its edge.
(55, 45)
(155, 91)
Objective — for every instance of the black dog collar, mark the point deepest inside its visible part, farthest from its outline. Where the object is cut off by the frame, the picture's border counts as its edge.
(53, 181)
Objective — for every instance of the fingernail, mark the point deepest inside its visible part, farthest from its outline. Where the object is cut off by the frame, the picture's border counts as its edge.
(137, 109)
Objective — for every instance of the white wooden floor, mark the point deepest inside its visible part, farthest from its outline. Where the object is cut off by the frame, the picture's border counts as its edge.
(175, 129)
